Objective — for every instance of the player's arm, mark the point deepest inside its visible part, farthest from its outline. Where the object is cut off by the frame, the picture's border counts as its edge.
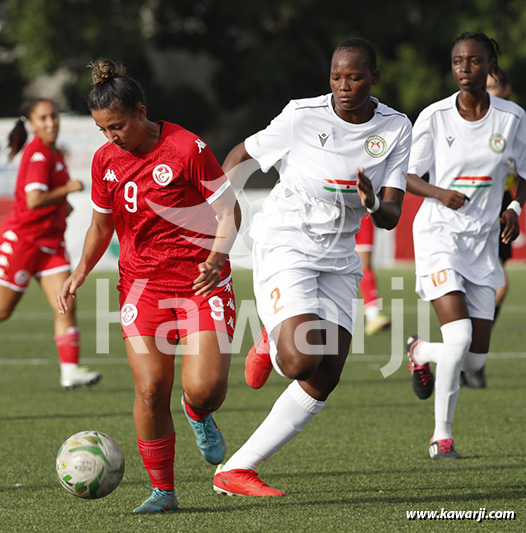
(510, 216)
(228, 215)
(37, 198)
(385, 209)
(97, 241)
(235, 157)
(452, 199)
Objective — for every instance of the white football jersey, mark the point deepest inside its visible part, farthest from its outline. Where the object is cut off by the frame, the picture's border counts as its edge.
(315, 207)
(472, 158)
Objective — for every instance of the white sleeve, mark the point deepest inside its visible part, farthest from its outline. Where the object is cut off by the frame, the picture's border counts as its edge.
(422, 155)
(270, 145)
(519, 148)
(396, 168)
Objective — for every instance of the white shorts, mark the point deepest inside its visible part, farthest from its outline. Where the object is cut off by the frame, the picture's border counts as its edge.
(288, 283)
(480, 299)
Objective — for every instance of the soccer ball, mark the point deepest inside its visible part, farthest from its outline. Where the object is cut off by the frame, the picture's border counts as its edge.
(90, 465)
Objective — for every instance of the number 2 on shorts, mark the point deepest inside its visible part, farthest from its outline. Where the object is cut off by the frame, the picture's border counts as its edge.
(439, 278)
(276, 295)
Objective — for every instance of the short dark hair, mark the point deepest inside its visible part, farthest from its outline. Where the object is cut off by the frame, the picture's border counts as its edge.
(113, 88)
(491, 45)
(356, 43)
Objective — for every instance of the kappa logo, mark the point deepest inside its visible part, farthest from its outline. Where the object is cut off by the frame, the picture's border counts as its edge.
(450, 140)
(128, 314)
(375, 146)
(162, 175)
(59, 167)
(37, 156)
(323, 138)
(200, 144)
(110, 176)
(497, 143)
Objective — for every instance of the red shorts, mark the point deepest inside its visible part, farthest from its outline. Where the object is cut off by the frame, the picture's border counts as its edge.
(169, 316)
(365, 237)
(21, 259)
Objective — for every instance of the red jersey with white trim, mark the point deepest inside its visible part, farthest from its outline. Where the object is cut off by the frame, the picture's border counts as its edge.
(160, 202)
(40, 169)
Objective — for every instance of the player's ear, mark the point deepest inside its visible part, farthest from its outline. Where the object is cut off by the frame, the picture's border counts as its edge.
(375, 77)
(141, 111)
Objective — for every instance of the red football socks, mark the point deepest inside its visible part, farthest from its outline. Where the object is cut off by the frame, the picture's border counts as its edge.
(195, 413)
(68, 345)
(368, 287)
(158, 459)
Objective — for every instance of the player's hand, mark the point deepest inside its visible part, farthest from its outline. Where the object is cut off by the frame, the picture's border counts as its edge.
(69, 289)
(511, 230)
(208, 279)
(452, 199)
(365, 188)
(75, 186)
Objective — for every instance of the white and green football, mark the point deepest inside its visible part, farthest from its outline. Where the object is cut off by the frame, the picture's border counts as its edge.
(90, 465)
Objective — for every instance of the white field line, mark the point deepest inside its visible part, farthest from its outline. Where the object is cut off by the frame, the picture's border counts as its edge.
(235, 360)
(92, 313)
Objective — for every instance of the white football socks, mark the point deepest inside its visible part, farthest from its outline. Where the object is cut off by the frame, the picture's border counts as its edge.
(449, 357)
(289, 415)
(474, 362)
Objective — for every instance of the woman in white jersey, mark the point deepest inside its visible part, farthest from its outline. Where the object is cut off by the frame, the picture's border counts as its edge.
(341, 154)
(466, 142)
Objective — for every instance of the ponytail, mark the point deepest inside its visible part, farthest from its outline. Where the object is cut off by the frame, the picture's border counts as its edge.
(17, 138)
(18, 135)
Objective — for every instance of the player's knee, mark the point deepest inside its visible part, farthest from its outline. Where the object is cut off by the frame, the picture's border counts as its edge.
(5, 313)
(154, 395)
(297, 365)
(206, 396)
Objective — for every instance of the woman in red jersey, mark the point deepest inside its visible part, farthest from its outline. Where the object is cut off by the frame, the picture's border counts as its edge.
(160, 187)
(32, 235)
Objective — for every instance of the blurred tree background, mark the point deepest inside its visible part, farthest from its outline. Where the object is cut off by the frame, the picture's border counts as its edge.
(224, 68)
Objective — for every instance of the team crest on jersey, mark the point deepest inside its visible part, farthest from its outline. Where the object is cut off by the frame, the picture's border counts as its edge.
(22, 278)
(110, 176)
(37, 156)
(375, 146)
(128, 314)
(497, 143)
(162, 175)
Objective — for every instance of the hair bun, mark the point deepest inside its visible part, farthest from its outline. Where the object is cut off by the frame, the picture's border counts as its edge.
(103, 70)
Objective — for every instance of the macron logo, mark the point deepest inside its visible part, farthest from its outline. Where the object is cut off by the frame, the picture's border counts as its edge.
(110, 176)
(37, 156)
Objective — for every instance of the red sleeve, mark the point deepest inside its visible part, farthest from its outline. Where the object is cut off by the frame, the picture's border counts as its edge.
(38, 169)
(100, 200)
(204, 172)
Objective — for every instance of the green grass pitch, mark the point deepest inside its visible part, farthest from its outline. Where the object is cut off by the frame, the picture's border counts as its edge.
(359, 466)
